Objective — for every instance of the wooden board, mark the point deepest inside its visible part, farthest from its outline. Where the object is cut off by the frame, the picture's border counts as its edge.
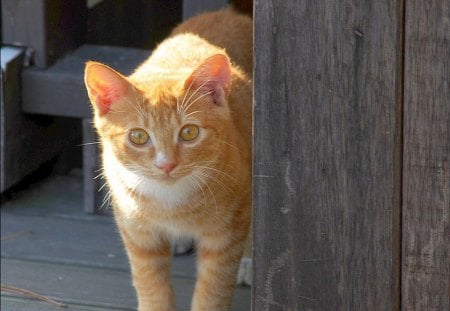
(66, 283)
(194, 7)
(326, 158)
(73, 257)
(60, 89)
(107, 289)
(63, 233)
(15, 303)
(95, 190)
(139, 24)
(28, 141)
(49, 27)
(426, 197)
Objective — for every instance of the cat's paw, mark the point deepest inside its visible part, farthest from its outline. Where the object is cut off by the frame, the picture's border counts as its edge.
(182, 246)
(244, 276)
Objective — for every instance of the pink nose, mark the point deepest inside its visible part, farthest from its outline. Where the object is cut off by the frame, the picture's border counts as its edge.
(166, 167)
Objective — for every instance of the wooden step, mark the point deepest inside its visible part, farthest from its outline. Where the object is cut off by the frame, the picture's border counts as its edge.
(59, 90)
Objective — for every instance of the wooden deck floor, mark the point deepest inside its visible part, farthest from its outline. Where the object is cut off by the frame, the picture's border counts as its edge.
(50, 246)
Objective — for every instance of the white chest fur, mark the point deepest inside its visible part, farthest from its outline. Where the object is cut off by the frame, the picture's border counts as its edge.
(123, 180)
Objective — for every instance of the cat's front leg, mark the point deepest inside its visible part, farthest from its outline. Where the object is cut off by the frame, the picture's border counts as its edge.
(149, 256)
(217, 263)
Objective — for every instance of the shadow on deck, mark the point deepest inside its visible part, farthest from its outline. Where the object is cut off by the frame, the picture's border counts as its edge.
(50, 246)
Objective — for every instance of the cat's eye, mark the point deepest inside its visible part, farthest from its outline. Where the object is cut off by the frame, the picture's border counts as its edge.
(189, 132)
(138, 136)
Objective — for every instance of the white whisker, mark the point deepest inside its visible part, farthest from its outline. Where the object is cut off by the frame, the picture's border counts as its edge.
(191, 113)
(216, 180)
(185, 94)
(228, 144)
(210, 191)
(218, 163)
(103, 186)
(217, 170)
(102, 175)
(196, 99)
(87, 144)
(183, 104)
(192, 177)
(135, 104)
(106, 200)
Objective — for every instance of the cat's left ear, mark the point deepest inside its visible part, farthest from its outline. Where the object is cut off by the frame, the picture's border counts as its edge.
(211, 78)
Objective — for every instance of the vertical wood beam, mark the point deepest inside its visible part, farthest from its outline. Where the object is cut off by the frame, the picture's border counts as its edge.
(49, 27)
(426, 203)
(326, 156)
(95, 200)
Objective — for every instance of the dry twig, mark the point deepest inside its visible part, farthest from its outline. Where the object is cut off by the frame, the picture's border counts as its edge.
(16, 235)
(30, 294)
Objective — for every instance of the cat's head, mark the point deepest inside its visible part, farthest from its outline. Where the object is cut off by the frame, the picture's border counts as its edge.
(162, 132)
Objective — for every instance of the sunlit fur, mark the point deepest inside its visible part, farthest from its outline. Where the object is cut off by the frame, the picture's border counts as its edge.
(208, 194)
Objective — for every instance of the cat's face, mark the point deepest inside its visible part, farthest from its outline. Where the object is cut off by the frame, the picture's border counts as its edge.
(166, 135)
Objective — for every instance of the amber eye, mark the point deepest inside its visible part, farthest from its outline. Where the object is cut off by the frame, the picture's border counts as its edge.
(189, 132)
(138, 136)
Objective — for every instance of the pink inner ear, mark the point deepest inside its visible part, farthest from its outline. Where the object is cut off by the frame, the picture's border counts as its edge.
(105, 86)
(211, 76)
(105, 96)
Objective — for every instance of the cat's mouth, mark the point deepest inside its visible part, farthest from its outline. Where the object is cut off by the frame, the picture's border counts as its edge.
(167, 178)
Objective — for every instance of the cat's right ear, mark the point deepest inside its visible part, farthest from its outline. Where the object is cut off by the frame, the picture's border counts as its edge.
(211, 77)
(105, 86)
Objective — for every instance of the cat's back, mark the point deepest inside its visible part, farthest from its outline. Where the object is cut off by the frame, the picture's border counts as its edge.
(175, 58)
(227, 29)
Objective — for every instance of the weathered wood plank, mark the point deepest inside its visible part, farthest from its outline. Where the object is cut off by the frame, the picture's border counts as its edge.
(102, 288)
(49, 27)
(194, 7)
(13, 303)
(27, 141)
(426, 203)
(69, 284)
(75, 257)
(60, 89)
(139, 24)
(58, 224)
(326, 164)
(95, 192)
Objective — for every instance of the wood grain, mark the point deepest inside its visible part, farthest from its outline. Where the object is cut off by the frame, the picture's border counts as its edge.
(194, 7)
(28, 141)
(75, 257)
(426, 204)
(95, 190)
(59, 90)
(326, 159)
(49, 27)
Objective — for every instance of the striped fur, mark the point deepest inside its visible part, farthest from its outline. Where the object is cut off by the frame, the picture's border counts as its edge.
(199, 76)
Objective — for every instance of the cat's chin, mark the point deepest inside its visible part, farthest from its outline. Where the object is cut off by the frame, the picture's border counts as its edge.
(170, 190)
(166, 179)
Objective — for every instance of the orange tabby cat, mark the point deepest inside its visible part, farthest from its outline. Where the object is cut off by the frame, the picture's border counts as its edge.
(176, 140)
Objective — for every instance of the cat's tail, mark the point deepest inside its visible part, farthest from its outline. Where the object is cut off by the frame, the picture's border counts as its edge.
(243, 6)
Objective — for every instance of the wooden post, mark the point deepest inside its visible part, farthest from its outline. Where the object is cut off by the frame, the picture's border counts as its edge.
(27, 141)
(95, 191)
(426, 197)
(49, 27)
(327, 164)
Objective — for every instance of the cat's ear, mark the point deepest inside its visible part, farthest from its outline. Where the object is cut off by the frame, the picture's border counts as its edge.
(104, 85)
(211, 77)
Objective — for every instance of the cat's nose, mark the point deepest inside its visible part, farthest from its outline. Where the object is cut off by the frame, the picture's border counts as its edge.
(165, 163)
(166, 167)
